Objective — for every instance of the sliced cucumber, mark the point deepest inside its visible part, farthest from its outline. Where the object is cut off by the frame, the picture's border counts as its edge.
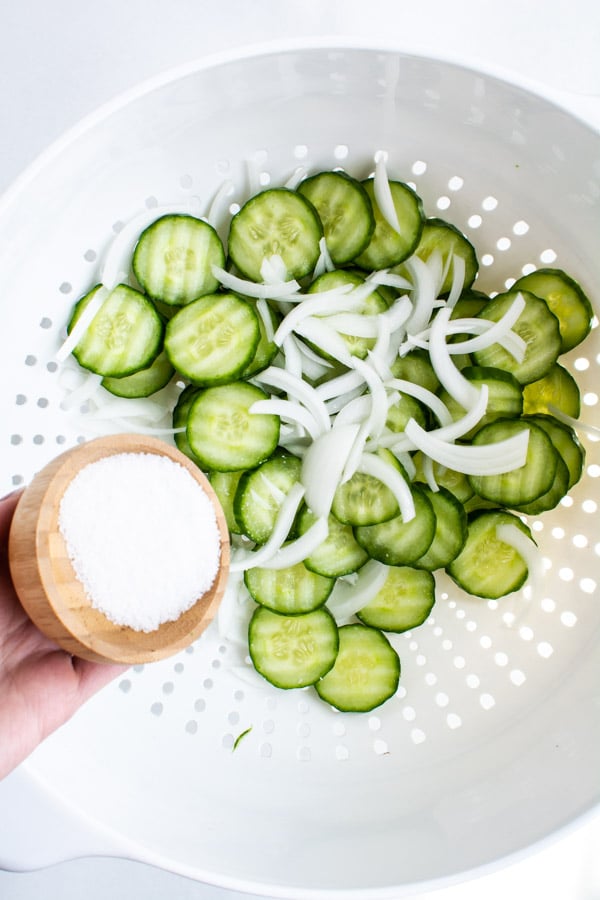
(487, 566)
(366, 671)
(444, 238)
(399, 543)
(143, 383)
(450, 530)
(339, 554)
(456, 482)
(173, 259)
(558, 489)
(292, 651)
(212, 340)
(387, 246)
(225, 485)
(567, 301)
(345, 211)
(405, 408)
(222, 432)
(557, 388)
(565, 441)
(531, 480)
(261, 492)
(181, 412)
(288, 591)
(416, 367)
(538, 327)
(124, 336)
(364, 499)
(278, 222)
(405, 600)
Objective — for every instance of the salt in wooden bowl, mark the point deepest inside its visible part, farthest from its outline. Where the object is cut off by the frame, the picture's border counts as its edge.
(52, 594)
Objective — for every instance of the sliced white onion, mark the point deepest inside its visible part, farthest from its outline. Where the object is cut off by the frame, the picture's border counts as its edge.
(592, 431)
(273, 270)
(449, 376)
(379, 405)
(348, 598)
(492, 332)
(323, 303)
(373, 465)
(342, 384)
(85, 390)
(424, 396)
(323, 465)
(83, 323)
(324, 262)
(486, 459)
(298, 550)
(383, 193)
(429, 474)
(289, 411)
(424, 294)
(339, 403)
(389, 279)
(355, 324)
(263, 310)
(458, 279)
(243, 559)
(292, 356)
(298, 175)
(472, 417)
(301, 390)
(329, 341)
(283, 290)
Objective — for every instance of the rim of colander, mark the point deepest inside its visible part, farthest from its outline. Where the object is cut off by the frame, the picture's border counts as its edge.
(331, 43)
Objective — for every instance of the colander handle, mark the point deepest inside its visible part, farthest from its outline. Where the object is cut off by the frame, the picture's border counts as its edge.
(37, 829)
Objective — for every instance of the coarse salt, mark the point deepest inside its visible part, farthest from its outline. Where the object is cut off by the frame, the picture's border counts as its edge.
(142, 536)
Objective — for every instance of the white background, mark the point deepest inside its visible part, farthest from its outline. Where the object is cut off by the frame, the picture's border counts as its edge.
(60, 60)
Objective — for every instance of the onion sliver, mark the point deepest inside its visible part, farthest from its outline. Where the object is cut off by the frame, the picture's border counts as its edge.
(289, 411)
(284, 290)
(325, 338)
(383, 194)
(592, 431)
(424, 293)
(217, 207)
(342, 384)
(297, 551)
(486, 459)
(458, 279)
(450, 377)
(299, 389)
(423, 395)
(348, 598)
(323, 465)
(370, 464)
(471, 418)
(83, 323)
(243, 559)
(525, 547)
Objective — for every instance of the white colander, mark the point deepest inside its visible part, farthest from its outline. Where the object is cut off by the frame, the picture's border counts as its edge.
(491, 743)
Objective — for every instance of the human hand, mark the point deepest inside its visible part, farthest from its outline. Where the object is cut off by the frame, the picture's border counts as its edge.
(41, 686)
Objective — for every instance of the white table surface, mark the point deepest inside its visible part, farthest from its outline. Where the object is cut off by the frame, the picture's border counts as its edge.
(60, 60)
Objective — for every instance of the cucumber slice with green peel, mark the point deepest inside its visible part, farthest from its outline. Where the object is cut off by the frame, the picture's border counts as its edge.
(416, 366)
(181, 412)
(553, 496)
(398, 543)
(266, 349)
(143, 383)
(567, 301)
(366, 671)
(364, 499)
(225, 485)
(261, 492)
(289, 591)
(450, 530)
(404, 602)
(345, 211)
(387, 246)
(531, 480)
(488, 567)
(538, 327)
(505, 396)
(278, 221)
(557, 388)
(224, 435)
(123, 337)
(339, 554)
(212, 340)
(173, 259)
(371, 305)
(443, 237)
(292, 651)
(566, 442)
(456, 482)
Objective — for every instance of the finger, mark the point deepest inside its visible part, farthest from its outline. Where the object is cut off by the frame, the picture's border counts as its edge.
(94, 676)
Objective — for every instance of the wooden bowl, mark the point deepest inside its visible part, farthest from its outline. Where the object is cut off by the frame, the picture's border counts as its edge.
(51, 593)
